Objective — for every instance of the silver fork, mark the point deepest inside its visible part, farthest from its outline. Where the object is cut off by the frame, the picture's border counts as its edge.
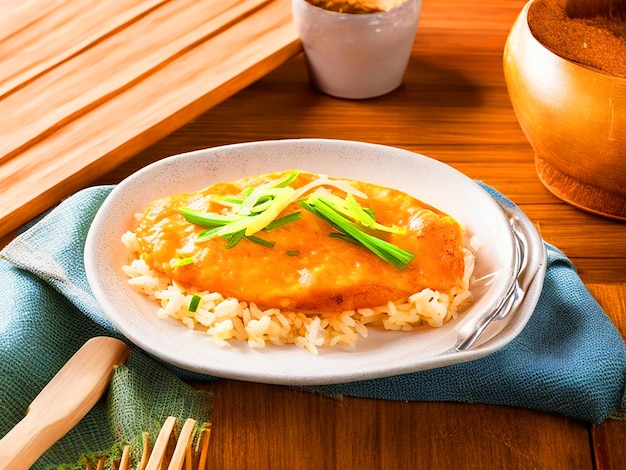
(512, 297)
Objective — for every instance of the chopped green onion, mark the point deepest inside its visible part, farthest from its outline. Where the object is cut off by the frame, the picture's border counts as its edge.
(351, 208)
(358, 213)
(262, 204)
(259, 197)
(325, 208)
(230, 199)
(257, 208)
(280, 202)
(208, 233)
(243, 224)
(287, 219)
(292, 252)
(370, 212)
(269, 189)
(344, 237)
(194, 303)
(207, 219)
(234, 238)
(261, 241)
(184, 261)
(286, 180)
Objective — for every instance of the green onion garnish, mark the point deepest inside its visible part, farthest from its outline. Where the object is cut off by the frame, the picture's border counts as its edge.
(350, 208)
(292, 252)
(184, 261)
(260, 207)
(286, 180)
(254, 200)
(208, 233)
(370, 212)
(207, 219)
(193, 304)
(287, 219)
(261, 241)
(326, 209)
(344, 237)
(230, 199)
(234, 238)
(257, 208)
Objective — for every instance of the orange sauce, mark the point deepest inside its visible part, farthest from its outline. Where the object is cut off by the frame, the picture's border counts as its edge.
(306, 270)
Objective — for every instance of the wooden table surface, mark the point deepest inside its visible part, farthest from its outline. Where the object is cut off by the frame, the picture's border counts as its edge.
(453, 106)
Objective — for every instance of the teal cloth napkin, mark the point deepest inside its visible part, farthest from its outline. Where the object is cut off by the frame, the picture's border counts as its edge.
(570, 359)
(47, 313)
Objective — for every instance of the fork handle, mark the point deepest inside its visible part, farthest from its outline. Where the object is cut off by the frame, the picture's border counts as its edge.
(63, 402)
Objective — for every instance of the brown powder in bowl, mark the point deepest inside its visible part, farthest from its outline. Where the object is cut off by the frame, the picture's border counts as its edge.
(597, 42)
(357, 6)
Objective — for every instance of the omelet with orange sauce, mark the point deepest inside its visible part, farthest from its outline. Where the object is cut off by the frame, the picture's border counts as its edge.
(305, 269)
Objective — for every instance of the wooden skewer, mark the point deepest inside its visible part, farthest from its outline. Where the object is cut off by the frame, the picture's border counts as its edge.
(183, 446)
(125, 460)
(146, 452)
(156, 458)
(160, 445)
(204, 446)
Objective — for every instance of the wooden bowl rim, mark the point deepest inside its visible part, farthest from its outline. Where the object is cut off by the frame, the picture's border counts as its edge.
(576, 67)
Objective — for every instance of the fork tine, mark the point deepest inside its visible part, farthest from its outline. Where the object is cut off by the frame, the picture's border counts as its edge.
(160, 445)
(183, 446)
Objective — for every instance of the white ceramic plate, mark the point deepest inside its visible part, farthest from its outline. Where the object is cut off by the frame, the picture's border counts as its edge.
(382, 353)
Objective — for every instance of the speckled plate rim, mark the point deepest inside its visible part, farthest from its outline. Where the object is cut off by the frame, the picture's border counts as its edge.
(381, 354)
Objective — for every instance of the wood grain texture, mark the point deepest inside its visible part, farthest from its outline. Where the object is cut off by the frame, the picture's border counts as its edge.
(262, 426)
(37, 36)
(129, 87)
(453, 106)
(608, 438)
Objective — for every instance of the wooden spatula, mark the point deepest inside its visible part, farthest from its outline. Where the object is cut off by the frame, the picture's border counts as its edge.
(63, 402)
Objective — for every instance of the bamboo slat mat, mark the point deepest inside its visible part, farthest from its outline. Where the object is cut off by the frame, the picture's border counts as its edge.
(86, 85)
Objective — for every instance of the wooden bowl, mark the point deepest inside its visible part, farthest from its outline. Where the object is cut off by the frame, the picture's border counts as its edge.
(575, 120)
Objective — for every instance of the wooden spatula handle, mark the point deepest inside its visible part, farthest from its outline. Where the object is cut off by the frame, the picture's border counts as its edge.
(63, 402)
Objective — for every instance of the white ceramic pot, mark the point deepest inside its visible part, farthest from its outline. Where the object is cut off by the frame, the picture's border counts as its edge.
(357, 56)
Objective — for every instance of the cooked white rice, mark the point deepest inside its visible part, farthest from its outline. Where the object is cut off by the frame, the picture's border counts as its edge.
(226, 319)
